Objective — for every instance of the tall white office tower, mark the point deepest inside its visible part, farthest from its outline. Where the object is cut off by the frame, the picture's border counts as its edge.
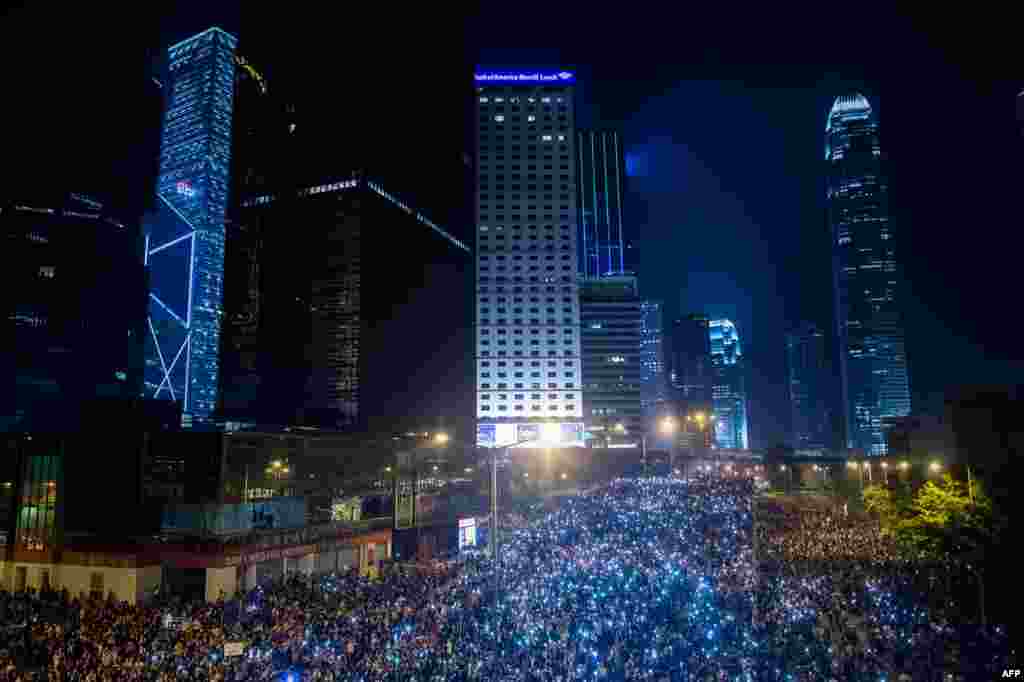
(528, 318)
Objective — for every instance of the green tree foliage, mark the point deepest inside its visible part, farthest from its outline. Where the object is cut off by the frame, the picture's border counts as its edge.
(943, 521)
(878, 500)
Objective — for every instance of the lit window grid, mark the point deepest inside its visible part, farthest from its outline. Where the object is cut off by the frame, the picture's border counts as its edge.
(557, 407)
(196, 148)
(873, 362)
(35, 526)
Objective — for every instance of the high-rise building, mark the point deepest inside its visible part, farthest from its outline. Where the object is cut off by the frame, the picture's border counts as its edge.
(76, 308)
(868, 278)
(528, 347)
(611, 346)
(811, 388)
(185, 234)
(354, 292)
(600, 184)
(688, 361)
(653, 386)
(728, 392)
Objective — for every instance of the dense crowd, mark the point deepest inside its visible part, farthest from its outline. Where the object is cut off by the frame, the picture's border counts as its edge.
(647, 579)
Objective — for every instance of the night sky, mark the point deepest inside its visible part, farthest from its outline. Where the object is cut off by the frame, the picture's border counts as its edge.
(723, 117)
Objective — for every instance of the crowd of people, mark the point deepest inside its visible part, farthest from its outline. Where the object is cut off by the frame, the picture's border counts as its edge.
(642, 579)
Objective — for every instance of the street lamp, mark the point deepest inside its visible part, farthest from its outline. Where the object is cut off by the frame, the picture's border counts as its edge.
(860, 471)
(495, 554)
(885, 473)
(667, 427)
(935, 466)
(277, 470)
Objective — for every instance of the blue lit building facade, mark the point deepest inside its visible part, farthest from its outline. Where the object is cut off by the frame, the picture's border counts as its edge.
(728, 389)
(600, 190)
(653, 386)
(867, 277)
(185, 235)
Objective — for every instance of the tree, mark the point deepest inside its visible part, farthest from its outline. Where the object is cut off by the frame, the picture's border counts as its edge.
(878, 501)
(947, 522)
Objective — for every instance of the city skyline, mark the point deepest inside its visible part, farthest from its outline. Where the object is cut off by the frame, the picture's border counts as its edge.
(793, 99)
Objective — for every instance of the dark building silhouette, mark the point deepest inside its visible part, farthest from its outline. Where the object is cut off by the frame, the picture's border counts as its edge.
(74, 308)
(320, 304)
(812, 388)
(342, 244)
(688, 364)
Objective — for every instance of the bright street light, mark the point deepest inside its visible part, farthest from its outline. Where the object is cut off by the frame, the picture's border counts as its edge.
(935, 466)
(668, 425)
(564, 476)
(904, 465)
(440, 437)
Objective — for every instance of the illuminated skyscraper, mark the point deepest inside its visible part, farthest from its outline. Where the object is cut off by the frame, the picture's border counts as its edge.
(869, 320)
(653, 387)
(611, 346)
(185, 235)
(600, 175)
(728, 392)
(528, 318)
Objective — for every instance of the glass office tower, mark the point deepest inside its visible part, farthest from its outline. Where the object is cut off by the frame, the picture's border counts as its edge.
(867, 276)
(688, 361)
(653, 387)
(185, 236)
(811, 388)
(528, 318)
(728, 389)
(611, 345)
(600, 175)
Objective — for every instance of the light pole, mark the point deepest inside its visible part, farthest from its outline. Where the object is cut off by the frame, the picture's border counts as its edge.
(668, 427)
(277, 470)
(789, 477)
(495, 555)
(885, 473)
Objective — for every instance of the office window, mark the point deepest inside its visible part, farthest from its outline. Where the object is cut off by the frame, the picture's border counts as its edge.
(35, 522)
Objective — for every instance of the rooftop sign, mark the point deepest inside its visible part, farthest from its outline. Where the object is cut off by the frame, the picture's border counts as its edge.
(500, 77)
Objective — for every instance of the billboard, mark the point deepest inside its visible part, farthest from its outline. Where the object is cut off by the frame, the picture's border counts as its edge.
(275, 513)
(529, 77)
(531, 435)
(467, 533)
